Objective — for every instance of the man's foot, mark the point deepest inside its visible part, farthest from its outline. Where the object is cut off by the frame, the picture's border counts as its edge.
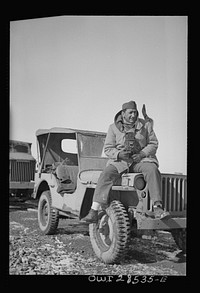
(92, 217)
(159, 213)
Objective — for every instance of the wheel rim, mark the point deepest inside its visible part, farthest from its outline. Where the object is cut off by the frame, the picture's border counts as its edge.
(44, 213)
(105, 231)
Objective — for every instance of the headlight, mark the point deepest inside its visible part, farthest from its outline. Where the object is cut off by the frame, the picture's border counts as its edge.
(139, 183)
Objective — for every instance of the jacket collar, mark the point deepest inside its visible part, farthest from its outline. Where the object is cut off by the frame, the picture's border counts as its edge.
(139, 123)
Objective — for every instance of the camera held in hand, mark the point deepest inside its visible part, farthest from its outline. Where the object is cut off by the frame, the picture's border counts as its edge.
(131, 144)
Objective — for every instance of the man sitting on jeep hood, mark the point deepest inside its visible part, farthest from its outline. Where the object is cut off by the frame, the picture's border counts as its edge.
(131, 146)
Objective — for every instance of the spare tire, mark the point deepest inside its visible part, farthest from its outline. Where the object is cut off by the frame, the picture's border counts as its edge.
(110, 236)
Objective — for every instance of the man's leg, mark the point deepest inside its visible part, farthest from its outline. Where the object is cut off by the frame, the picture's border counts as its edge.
(108, 176)
(153, 177)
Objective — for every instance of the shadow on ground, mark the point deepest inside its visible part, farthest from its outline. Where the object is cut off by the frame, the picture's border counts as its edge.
(22, 204)
(72, 226)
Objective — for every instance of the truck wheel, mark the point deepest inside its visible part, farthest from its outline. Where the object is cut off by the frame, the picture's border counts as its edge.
(110, 236)
(48, 217)
(179, 236)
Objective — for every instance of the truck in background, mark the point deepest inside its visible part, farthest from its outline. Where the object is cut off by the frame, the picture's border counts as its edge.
(21, 169)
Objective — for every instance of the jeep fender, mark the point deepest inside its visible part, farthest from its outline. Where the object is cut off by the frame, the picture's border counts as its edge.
(39, 188)
(86, 203)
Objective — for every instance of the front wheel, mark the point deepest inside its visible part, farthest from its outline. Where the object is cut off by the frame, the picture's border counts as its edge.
(110, 236)
(48, 217)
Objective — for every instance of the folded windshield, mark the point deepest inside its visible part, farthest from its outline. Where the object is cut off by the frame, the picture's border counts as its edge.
(91, 145)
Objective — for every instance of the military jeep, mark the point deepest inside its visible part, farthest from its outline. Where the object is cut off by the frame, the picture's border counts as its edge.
(69, 164)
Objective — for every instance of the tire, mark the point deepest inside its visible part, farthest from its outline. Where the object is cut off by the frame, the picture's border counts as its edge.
(48, 217)
(179, 236)
(110, 236)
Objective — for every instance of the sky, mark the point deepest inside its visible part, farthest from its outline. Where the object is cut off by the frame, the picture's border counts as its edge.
(77, 71)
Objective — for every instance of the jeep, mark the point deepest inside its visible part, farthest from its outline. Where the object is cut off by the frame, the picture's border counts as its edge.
(70, 162)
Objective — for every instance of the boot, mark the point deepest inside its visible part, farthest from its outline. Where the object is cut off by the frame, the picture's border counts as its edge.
(92, 217)
(159, 213)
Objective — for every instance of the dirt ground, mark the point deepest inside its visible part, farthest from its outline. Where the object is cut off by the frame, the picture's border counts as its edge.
(69, 251)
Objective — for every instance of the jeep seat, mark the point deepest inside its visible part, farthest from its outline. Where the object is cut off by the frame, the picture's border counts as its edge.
(67, 178)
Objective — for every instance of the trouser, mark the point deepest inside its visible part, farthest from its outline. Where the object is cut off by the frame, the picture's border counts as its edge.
(110, 174)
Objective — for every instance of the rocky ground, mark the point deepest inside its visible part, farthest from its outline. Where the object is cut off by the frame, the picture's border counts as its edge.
(69, 251)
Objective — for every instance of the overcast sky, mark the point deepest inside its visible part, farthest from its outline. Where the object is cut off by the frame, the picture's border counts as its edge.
(77, 71)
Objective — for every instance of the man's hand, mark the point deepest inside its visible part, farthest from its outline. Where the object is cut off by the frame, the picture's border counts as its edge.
(124, 155)
(138, 157)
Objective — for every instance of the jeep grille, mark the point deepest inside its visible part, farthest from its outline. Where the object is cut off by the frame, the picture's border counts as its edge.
(174, 193)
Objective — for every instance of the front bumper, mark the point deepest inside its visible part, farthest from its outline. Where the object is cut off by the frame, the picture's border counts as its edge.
(144, 223)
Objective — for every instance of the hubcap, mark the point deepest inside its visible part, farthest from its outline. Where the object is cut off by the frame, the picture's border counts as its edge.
(106, 230)
(45, 214)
